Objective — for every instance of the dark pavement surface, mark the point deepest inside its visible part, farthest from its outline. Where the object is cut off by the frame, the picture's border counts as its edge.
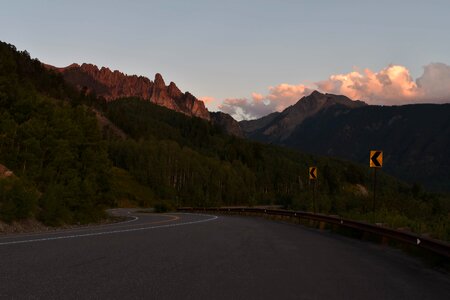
(187, 256)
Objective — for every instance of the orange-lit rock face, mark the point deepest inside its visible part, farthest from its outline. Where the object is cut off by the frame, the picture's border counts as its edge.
(112, 85)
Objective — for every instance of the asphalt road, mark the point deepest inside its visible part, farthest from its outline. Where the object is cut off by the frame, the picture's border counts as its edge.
(187, 256)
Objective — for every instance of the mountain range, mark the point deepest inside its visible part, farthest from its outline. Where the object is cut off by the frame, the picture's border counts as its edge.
(325, 124)
(415, 138)
(112, 85)
(278, 126)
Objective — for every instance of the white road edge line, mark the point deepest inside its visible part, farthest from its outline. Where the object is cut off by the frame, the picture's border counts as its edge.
(75, 229)
(105, 232)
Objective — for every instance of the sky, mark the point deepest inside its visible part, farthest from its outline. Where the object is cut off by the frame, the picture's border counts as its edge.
(249, 58)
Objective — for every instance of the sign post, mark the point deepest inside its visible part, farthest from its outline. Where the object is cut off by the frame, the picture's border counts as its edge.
(313, 178)
(376, 162)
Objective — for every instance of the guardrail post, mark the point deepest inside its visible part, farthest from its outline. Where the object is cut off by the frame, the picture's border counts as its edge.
(321, 225)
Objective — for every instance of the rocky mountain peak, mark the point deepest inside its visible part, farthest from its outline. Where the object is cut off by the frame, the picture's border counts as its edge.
(85, 67)
(159, 81)
(280, 126)
(112, 85)
(174, 91)
(74, 65)
(318, 100)
(316, 94)
(227, 123)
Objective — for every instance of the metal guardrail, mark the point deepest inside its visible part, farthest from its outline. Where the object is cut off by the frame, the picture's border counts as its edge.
(436, 246)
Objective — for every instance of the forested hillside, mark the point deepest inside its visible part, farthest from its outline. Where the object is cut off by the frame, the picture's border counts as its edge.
(51, 144)
(415, 139)
(191, 161)
(186, 161)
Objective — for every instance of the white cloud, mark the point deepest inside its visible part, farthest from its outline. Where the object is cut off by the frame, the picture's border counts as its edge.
(434, 84)
(391, 85)
(244, 108)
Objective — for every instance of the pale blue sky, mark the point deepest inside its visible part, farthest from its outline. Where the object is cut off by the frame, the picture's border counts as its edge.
(231, 48)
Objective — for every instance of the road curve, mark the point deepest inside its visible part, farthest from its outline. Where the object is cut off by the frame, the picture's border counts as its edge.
(194, 256)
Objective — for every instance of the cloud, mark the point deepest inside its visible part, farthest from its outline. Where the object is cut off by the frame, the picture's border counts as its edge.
(244, 108)
(257, 97)
(393, 85)
(284, 95)
(279, 98)
(434, 84)
(207, 100)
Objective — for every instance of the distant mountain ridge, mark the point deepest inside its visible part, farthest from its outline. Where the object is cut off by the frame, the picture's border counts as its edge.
(278, 126)
(415, 138)
(227, 123)
(112, 85)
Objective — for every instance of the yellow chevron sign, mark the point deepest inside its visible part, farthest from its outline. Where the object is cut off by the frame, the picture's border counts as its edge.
(312, 172)
(376, 159)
